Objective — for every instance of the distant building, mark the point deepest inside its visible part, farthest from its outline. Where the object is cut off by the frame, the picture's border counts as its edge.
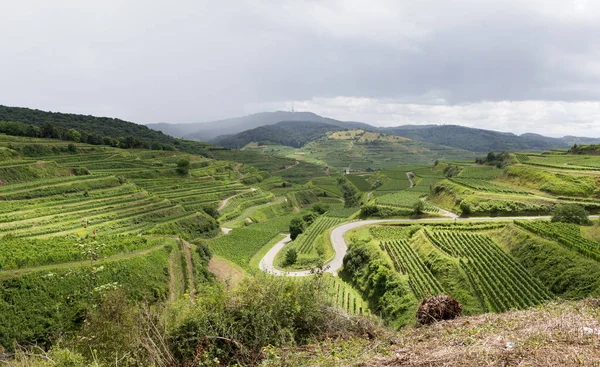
(347, 171)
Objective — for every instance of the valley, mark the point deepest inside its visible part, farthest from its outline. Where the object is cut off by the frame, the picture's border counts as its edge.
(378, 222)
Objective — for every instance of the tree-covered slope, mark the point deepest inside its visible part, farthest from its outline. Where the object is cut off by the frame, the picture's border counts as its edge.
(96, 130)
(291, 133)
(480, 140)
(206, 131)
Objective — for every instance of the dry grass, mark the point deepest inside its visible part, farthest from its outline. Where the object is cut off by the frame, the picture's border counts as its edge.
(558, 334)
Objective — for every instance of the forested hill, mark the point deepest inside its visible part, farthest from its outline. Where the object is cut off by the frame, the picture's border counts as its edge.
(207, 131)
(472, 139)
(91, 129)
(480, 140)
(291, 133)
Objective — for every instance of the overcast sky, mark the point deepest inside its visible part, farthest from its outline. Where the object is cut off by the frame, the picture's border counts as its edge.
(511, 65)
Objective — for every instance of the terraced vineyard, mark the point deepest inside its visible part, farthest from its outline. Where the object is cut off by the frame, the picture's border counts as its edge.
(405, 199)
(242, 243)
(408, 262)
(569, 235)
(500, 282)
(360, 182)
(483, 185)
(306, 240)
(327, 184)
(238, 203)
(192, 194)
(393, 232)
(126, 207)
(561, 160)
(425, 178)
(479, 172)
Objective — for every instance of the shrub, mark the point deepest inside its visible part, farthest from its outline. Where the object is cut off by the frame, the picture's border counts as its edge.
(296, 227)
(570, 213)
(291, 256)
(309, 217)
(183, 166)
(320, 208)
(234, 326)
(387, 291)
(418, 207)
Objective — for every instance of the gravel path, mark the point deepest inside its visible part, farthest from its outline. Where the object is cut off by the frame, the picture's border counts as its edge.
(409, 175)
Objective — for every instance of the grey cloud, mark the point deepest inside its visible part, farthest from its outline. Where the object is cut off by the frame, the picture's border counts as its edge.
(188, 61)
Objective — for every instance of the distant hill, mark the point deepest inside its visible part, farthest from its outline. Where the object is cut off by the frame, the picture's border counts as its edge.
(291, 133)
(461, 137)
(480, 140)
(356, 149)
(207, 131)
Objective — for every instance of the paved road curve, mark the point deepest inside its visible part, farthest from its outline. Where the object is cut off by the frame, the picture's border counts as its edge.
(340, 247)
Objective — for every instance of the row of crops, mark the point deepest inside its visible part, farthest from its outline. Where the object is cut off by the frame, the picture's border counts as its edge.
(193, 194)
(406, 199)
(393, 232)
(346, 297)
(479, 172)
(238, 203)
(483, 185)
(360, 182)
(425, 178)
(408, 262)
(328, 184)
(18, 253)
(569, 235)
(305, 242)
(499, 281)
(561, 161)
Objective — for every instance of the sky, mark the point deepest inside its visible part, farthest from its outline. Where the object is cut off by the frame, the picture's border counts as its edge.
(508, 65)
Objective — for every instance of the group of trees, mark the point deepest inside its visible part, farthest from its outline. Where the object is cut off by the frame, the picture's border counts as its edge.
(585, 149)
(499, 160)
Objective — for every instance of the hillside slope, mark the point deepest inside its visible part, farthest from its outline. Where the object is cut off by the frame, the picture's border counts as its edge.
(99, 128)
(206, 131)
(480, 140)
(461, 137)
(361, 150)
(557, 334)
(290, 133)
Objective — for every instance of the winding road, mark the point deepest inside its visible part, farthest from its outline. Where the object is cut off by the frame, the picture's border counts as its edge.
(340, 247)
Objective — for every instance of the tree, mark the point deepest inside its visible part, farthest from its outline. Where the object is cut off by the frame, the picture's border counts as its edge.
(310, 217)
(570, 213)
(418, 207)
(369, 211)
(74, 135)
(296, 227)
(49, 130)
(183, 166)
(465, 207)
(320, 208)
(291, 255)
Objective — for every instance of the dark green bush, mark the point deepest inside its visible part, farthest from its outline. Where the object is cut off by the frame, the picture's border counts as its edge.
(571, 213)
(234, 326)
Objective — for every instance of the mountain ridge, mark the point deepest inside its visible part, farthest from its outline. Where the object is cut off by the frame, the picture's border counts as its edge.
(456, 136)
